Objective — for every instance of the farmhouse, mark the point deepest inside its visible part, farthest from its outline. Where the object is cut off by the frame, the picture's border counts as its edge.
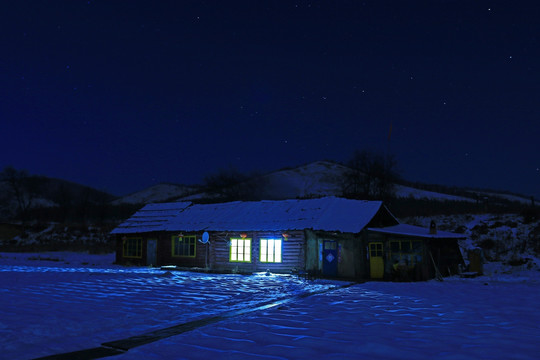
(330, 236)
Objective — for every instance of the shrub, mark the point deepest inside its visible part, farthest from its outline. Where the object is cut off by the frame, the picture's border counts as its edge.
(511, 224)
(480, 229)
(487, 244)
(530, 215)
(516, 261)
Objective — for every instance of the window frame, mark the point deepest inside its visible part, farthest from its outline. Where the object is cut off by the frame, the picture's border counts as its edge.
(126, 248)
(376, 249)
(274, 240)
(175, 240)
(410, 253)
(232, 240)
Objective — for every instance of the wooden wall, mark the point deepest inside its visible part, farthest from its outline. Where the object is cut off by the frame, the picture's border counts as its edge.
(164, 251)
(293, 251)
(351, 259)
(129, 261)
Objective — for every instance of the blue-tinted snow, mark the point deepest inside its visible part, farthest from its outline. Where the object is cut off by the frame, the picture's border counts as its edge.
(152, 217)
(49, 307)
(329, 214)
(63, 303)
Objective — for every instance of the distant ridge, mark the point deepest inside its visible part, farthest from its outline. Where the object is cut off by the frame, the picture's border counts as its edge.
(316, 179)
(156, 193)
(46, 192)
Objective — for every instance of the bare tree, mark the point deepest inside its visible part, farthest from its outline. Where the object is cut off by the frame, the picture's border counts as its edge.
(230, 184)
(22, 187)
(371, 176)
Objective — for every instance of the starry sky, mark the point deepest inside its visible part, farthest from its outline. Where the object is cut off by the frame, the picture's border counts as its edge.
(122, 95)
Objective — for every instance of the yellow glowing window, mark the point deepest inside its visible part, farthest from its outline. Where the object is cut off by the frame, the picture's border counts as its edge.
(270, 250)
(183, 246)
(240, 250)
(132, 247)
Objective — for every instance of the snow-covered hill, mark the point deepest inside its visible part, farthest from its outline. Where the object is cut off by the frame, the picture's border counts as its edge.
(32, 191)
(403, 191)
(156, 193)
(320, 178)
(325, 178)
(509, 197)
(9, 204)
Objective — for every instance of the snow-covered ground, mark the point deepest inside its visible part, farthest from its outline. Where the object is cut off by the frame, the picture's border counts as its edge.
(60, 302)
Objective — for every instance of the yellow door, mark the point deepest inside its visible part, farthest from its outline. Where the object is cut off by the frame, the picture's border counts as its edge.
(376, 262)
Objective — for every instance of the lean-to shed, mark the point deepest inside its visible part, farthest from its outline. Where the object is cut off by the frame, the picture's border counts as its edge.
(406, 252)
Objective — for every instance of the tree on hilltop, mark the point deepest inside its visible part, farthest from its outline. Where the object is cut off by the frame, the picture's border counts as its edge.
(370, 176)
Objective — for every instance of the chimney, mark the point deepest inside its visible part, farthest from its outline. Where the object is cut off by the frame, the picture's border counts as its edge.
(432, 228)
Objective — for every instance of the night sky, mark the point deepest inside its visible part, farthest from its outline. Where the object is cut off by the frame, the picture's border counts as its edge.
(122, 95)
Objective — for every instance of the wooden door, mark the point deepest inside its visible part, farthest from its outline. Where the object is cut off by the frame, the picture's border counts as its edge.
(151, 252)
(330, 258)
(376, 261)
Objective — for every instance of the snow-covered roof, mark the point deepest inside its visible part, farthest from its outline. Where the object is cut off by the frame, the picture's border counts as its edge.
(416, 231)
(328, 214)
(152, 217)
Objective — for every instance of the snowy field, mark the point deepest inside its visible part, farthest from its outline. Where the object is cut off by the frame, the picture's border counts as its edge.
(66, 302)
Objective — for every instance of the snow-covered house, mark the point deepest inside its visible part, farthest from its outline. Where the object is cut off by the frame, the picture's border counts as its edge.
(328, 236)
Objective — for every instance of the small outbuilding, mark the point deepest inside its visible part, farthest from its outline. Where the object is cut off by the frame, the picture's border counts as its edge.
(331, 236)
(405, 252)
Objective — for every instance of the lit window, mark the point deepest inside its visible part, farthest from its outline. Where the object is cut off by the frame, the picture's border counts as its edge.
(132, 247)
(240, 250)
(270, 250)
(183, 246)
